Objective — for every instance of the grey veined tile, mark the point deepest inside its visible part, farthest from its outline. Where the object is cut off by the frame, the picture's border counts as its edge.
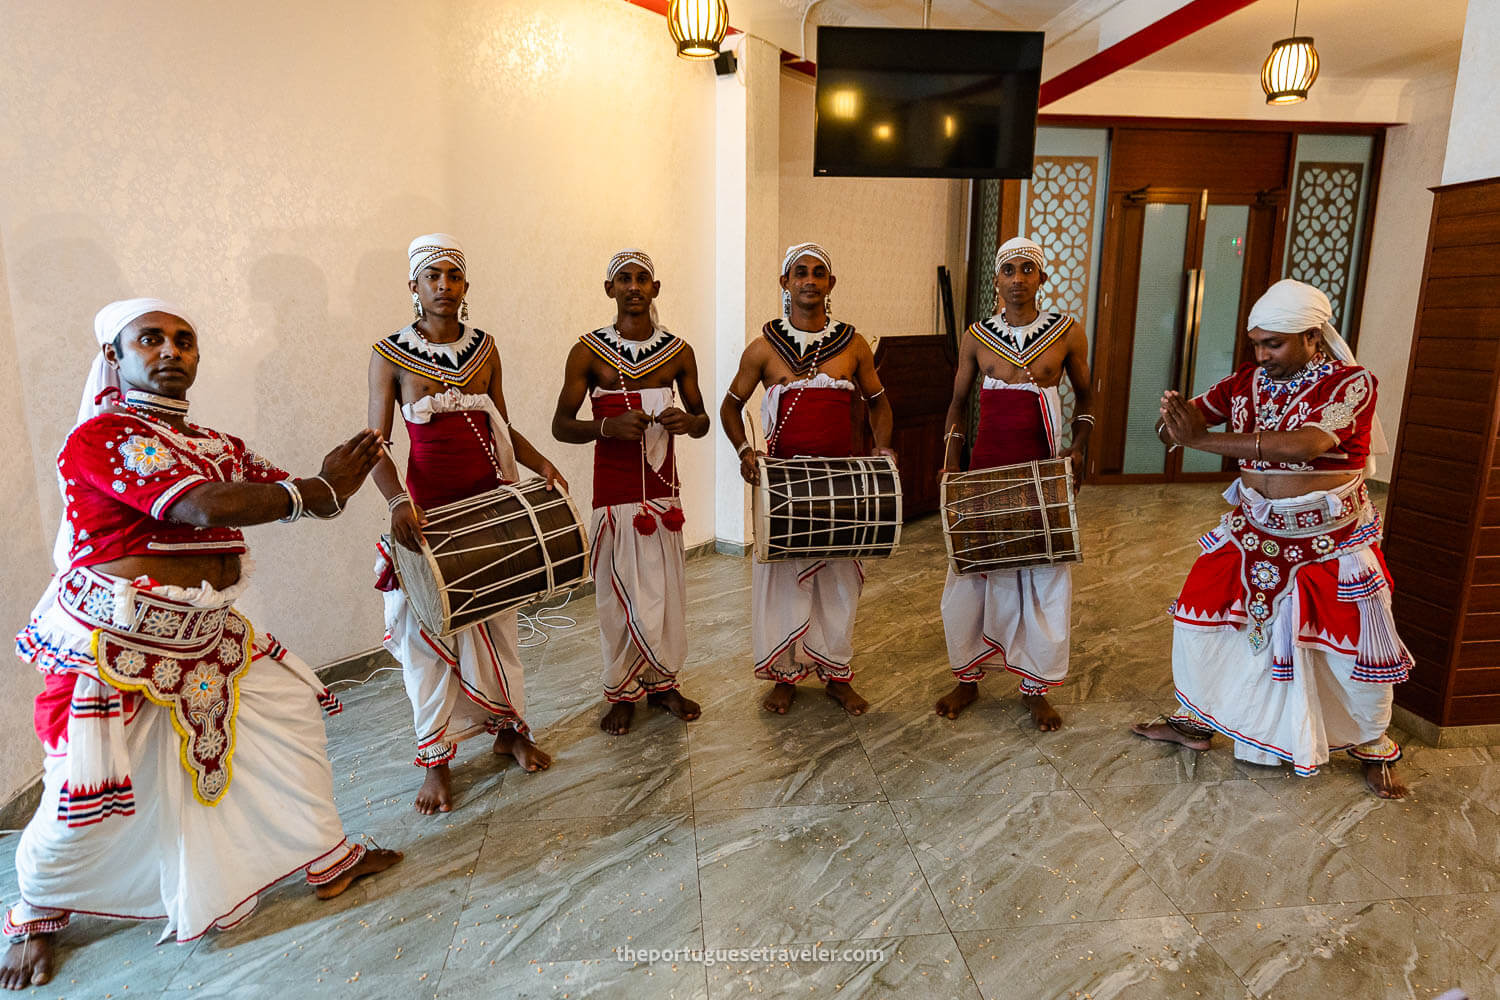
(581, 979)
(1373, 951)
(768, 760)
(1150, 958)
(1095, 748)
(555, 890)
(808, 873)
(1023, 859)
(925, 755)
(1226, 846)
(928, 966)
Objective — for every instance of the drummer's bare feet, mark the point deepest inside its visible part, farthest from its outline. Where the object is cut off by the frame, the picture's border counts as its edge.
(376, 859)
(674, 702)
(1043, 715)
(964, 694)
(617, 720)
(28, 963)
(779, 698)
(530, 756)
(436, 793)
(1383, 781)
(845, 695)
(1167, 733)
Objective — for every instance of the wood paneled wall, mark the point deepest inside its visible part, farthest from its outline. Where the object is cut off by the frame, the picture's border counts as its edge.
(917, 373)
(1443, 515)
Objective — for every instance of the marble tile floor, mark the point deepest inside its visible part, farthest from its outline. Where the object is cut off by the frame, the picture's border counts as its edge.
(975, 858)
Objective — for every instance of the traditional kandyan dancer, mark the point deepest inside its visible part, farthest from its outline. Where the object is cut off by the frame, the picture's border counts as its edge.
(445, 376)
(628, 371)
(1024, 616)
(809, 365)
(1283, 636)
(186, 769)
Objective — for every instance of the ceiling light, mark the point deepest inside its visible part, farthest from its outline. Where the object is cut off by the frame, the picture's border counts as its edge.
(1290, 69)
(698, 26)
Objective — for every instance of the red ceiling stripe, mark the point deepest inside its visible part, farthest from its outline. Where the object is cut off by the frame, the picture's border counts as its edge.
(1154, 37)
(656, 6)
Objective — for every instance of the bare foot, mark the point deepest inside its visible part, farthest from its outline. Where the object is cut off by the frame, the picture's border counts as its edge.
(1043, 715)
(617, 720)
(779, 698)
(376, 859)
(674, 702)
(436, 793)
(28, 963)
(845, 695)
(1383, 781)
(1168, 733)
(964, 694)
(530, 756)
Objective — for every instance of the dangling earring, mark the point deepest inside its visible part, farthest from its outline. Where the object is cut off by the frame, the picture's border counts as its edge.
(416, 306)
(463, 311)
(828, 307)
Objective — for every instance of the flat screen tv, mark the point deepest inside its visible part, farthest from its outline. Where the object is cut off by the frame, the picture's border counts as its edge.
(896, 102)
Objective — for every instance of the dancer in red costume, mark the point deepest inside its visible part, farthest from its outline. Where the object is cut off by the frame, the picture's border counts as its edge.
(810, 366)
(1017, 620)
(631, 372)
(445, 377)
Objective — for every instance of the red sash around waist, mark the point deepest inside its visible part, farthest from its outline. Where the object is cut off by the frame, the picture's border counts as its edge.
(814, 422)
(450, 458)
(618, 464)
(1011, 429)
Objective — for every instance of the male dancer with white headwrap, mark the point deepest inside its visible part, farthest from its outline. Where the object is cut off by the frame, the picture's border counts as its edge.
(185, 769)
(1022, 616)
(629, 371)
(1283, 638)
(445, 377)
(810, 366)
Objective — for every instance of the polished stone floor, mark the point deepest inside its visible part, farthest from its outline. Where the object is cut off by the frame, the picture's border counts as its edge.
(984, 859)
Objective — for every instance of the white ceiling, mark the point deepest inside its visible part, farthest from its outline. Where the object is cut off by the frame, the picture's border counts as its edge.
(1357, 39)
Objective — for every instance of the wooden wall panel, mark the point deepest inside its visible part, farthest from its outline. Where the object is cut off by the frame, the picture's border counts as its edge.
(1443, 513)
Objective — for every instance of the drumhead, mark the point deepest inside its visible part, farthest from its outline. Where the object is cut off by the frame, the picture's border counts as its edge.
(419, 576)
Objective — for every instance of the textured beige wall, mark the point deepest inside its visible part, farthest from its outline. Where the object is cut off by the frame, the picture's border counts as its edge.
(1413, 162)
(886, 235)
(265, 165)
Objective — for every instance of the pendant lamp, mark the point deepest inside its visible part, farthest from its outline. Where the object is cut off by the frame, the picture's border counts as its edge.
(698, 26)
(1291, 68)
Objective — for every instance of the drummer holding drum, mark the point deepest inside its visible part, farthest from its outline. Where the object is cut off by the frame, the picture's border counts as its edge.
(811, 366)
(996, 616)
(444, 377)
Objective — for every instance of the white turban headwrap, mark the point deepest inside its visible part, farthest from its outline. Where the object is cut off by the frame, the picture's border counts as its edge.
(1292, 306)
(1020, 247)
(434, 248)
(109, 323)
(634, 255)
(793, 253)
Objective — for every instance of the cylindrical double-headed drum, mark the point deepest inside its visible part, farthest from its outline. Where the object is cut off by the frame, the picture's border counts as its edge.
(491, 553)
(1011, 517)
(827, 508)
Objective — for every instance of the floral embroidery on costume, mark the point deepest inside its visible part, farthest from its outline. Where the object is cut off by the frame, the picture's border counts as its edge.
(146, 455)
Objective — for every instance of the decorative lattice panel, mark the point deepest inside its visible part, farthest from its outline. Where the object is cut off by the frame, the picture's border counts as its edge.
(1060, 217)
(1321, 250)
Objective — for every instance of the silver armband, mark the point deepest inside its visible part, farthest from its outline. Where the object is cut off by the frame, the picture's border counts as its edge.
(296, 497)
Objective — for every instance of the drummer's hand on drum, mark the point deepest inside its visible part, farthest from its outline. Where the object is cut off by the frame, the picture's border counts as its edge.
(749, 471)
(407, 522)
(887, 452)
(628, 426)
(555, 479)
(1078, 457)
(345, 467)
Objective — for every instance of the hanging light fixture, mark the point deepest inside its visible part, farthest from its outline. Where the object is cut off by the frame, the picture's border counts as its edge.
(698, 26)
(1291, 68)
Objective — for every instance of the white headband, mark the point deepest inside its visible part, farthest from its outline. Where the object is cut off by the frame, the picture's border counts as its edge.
(804, 250)
(434, 248)
(1020, 247)
(630, 255)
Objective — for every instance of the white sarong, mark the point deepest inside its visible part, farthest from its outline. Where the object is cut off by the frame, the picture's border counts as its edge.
(640, 590)
(802, 612)
(1024, 616)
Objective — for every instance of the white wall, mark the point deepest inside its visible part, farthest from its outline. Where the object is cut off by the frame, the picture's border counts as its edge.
(887, 236)
(1153, 93)
(266, 164)
(1413, 162)
(1473, 149)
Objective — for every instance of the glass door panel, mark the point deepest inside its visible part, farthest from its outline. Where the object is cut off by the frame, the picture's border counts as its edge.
(1158, 325)
(1212, 344)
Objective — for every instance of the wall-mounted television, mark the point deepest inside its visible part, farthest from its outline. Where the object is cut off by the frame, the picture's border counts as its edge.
(897, 102)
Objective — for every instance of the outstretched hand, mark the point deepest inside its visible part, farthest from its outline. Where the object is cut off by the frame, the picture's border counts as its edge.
(346, 466)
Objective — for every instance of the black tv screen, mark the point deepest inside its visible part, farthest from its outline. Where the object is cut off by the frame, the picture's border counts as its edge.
(896, 102)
